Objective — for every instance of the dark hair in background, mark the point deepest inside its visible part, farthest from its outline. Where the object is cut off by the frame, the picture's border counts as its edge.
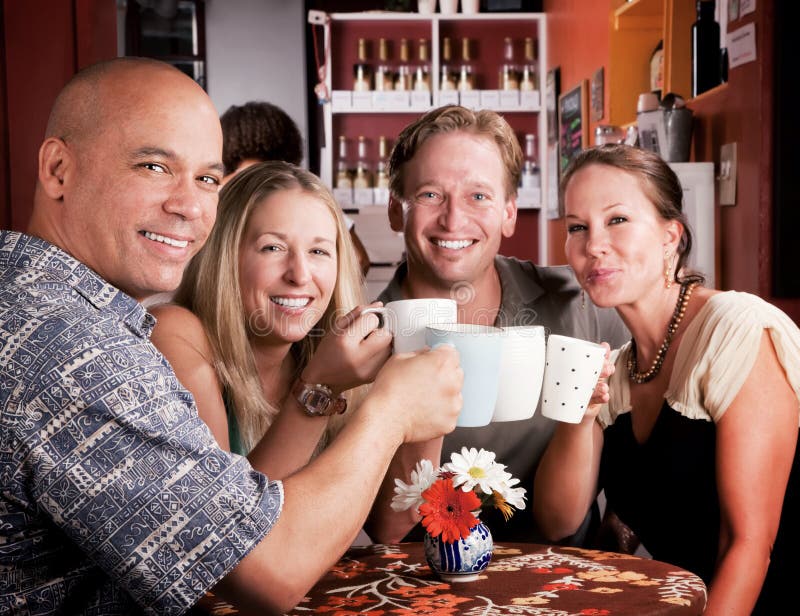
(260, 131)
(659, 184)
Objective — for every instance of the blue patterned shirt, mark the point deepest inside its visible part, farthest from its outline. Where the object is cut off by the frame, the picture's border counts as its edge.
(114, 497)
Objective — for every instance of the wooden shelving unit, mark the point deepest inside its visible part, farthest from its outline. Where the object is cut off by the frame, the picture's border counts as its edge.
(635, 30)
(486, 32)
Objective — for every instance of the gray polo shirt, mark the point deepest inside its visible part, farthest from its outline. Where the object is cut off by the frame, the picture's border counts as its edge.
(531, 295)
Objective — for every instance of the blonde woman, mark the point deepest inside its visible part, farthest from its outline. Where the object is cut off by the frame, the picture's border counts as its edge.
(267, 311)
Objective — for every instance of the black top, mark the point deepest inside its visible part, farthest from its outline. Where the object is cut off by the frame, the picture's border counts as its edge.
(665, 489)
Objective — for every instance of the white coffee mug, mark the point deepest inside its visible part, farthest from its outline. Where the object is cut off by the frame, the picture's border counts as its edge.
(470, 7)
(479, 349)
(521, 373)
(448, 7)
(426, 7)
(407, 319)
(572, 368)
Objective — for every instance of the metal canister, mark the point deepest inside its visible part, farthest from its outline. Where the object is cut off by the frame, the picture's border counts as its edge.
(607, 133)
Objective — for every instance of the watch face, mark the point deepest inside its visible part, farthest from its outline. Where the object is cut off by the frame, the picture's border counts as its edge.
(317, 401)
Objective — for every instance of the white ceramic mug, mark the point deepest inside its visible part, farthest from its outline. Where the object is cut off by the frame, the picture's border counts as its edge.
(407, 319)
(470, 7)
(521, 373)
(479, 350)
(448, 7)
(572, 367)
(426, 7)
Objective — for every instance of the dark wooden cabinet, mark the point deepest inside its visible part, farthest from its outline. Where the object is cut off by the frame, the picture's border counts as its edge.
(45, 42)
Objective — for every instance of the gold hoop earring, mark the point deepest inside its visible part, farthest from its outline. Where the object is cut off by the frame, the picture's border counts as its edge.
(667, 269)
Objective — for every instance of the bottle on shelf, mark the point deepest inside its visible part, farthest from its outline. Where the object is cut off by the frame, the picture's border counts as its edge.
(362, 72)
(382, 168)
(384, 76)
(448, 75)
(465, 74)
(509, 77)
(530, 168)
(402, 80)
(422, 70)
(705, 49)
(529, 77)
(529, 194)
(657, 69)
(381, 190)
(343, 176)
(363, 176)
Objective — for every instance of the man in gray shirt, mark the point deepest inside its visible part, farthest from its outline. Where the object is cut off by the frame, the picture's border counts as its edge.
(453, 179)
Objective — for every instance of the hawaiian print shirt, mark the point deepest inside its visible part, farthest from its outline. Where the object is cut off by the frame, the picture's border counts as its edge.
(114, 498)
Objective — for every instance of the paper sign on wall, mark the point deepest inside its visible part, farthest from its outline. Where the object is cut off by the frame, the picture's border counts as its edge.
(552, 181)
(746, 6)
(742, 45)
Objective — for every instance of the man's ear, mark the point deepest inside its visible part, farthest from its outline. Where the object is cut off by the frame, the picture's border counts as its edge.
(509, 217)
(396, 218)
(55, 160)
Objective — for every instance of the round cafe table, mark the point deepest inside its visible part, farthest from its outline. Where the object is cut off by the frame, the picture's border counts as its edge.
(523, 578)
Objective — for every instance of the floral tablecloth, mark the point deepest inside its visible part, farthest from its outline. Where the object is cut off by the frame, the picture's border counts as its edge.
(521, 579)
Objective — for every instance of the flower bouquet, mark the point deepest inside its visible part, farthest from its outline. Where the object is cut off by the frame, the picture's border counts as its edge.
(457, 545)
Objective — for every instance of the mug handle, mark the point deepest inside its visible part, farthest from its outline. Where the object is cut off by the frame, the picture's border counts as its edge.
(378, 311)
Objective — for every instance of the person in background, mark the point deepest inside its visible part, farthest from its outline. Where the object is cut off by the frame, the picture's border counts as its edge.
(256, 132)
(454, 175)
(116, 499)
(697, 446)
(272, 300)
(259, 131)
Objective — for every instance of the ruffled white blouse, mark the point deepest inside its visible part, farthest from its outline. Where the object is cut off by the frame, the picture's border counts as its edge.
(715, 357)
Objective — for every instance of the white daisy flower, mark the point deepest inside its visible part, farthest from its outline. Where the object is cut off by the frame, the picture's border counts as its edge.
(473, 467)
(513, 496)
(408, 495)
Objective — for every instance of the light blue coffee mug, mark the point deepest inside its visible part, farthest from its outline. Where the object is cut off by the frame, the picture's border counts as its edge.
(480, 349)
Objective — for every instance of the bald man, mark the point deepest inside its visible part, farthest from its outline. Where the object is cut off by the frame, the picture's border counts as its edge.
(115, 497)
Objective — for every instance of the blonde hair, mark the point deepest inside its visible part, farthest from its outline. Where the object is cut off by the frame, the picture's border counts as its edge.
(451, 119)
(210, 289)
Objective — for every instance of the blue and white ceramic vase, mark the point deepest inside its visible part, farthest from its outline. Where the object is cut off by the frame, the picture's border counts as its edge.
(462, 560)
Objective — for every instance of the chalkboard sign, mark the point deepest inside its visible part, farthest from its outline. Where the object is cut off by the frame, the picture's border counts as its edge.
(573, 123)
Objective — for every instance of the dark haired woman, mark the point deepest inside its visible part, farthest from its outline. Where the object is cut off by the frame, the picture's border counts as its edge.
(697, 447)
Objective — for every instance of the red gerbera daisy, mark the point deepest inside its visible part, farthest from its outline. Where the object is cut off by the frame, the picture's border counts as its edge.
(447, 511)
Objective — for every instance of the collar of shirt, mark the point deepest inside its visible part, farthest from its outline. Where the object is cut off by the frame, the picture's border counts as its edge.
(36, 258)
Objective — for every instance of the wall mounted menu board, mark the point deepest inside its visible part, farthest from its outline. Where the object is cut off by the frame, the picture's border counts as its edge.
(573, 123)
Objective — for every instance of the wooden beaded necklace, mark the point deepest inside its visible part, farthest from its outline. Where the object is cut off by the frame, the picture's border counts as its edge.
(680, 309)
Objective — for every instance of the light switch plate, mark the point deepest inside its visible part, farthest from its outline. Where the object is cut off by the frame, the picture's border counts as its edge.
(727, 174)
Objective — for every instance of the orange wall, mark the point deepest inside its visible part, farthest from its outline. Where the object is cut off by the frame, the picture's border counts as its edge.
(740, 111)
(577, 43)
